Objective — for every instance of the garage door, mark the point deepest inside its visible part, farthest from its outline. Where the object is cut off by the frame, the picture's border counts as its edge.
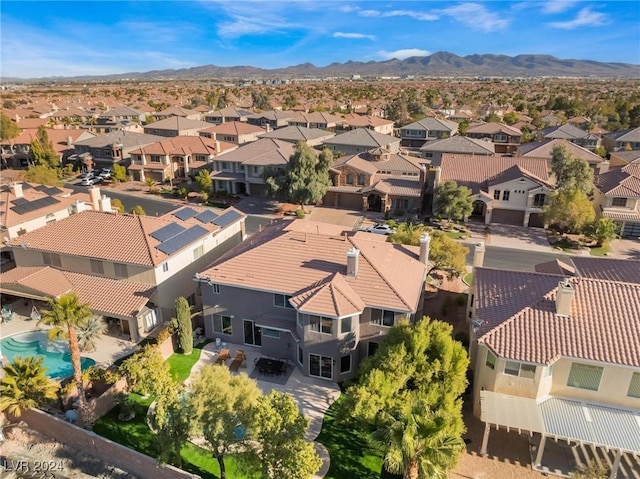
(508, 217)
(631, 230)
(350, 201)
(536, 220)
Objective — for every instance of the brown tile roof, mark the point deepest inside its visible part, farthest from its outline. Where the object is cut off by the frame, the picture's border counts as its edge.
(389, 276)
(519, 320)
(333, 296)
(177, 123)
(365, 121)
(97, 291)
(474, 171)
(544, 149)
(494, 128)
(555, 267)
(236, 128)
(111, 237)
(185, 145)
(608, 269)
(266, 151)
(620, 181)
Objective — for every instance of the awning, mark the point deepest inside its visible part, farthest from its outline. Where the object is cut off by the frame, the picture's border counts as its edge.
(567, 419)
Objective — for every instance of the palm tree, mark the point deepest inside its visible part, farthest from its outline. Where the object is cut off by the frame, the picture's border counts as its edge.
(89, 331)
(25, 385)
(66, 314)
(417, 444)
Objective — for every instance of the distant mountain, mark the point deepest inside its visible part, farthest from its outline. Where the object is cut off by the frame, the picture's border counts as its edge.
(438, 64)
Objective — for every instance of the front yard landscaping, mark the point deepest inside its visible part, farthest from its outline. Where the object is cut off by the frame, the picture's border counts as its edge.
(573, 244)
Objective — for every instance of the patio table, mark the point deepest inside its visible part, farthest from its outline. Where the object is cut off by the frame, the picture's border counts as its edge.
(270, 366)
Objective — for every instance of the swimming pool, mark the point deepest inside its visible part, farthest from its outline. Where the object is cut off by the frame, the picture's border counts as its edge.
(57, 358)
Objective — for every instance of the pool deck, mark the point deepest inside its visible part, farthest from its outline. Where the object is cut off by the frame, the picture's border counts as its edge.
(109, 348)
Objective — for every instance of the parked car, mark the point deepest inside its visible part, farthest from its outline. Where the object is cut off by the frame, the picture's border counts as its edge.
(105, 174)
(86, 174)
(381, 229)
(92, 181)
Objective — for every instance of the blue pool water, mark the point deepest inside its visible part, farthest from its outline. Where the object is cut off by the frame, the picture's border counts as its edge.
(57, 358)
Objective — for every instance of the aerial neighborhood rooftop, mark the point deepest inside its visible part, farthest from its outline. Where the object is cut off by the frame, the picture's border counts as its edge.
(303, 236)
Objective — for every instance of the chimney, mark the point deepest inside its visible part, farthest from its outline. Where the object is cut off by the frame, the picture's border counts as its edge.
(352, 262)
(94, 196)
(217, 144)
(564, 298)
(80, 206)
(425, 241)
(105, 204)
(603, 167)
(438, 175)
(478, 255)
(267, 127)
(16, 190)
(69, 141)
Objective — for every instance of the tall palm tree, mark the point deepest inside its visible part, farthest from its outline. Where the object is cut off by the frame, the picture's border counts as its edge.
(89, 331)
(417, 443)
(25, 385)
(65, 315)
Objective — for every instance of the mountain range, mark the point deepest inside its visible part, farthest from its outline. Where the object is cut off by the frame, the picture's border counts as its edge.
(438, 64)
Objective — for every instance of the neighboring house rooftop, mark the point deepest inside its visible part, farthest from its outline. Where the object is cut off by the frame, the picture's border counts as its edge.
(431, 123)
(517, 312)
(544, 149)
(362, 121)
(460, 144)
(177, 123)
(265, 152)
(185, 145)
(567, 132)
(310, 260)
(128, 139)
(235, 128)
(620, 181)
(298, 133)
(493, 129)
(363, 137)
(142, 240)
(631, 135)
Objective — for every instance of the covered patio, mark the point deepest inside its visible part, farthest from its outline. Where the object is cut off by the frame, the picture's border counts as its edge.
(595, 429)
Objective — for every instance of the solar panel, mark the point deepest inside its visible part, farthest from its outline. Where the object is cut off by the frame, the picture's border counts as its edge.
(206, 216)
(183, 239)
(40, 187)
(20, 201)
(185, 213)
(227, 218)
(52, 191)
(167, 232)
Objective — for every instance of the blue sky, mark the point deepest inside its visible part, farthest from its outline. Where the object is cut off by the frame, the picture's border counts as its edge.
(58, 38)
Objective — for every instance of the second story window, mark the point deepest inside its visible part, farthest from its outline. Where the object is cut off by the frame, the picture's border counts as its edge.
(585, 376)
(96, 266)
(349, 179)
(491, 360)
(52, 259)
(496, 194)
(382, 317)
(282, 301)
(345, 325)
(165, 267)
(514, 368)
(621, 202)
(500, 138)
(198, 252)
(538, 200)
(505, 195)
(320, 324)
(360, 180)
(634, 386)
(120, 270)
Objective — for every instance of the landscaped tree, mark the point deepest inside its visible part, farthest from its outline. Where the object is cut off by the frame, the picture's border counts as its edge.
(451, 201)
(89, 330)
(171, 421)
(151, 184)
(279, 444)
(42, 150)
(117, 205)
(119, 174)
(603, 231)
(416, 364)
(65, 315)
(416, 444)
(184, 326)
(203, 178)
(137, 210)
(25, 385)
(223, 410)
(8, 128)
(570, 172)
(445, 253)
(43, 175)
(570, 210)
(143, 369)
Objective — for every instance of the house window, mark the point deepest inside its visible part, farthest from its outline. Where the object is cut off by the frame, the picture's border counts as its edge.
(215, 288)
(52, 259)
(198, 252)
(360, 180)
(271, 333)
(501, 138)
(496, 194)
(50, 218)
(619, 202)
(224, 165)
(320, 324)
(300, 319)
(349, 179)
(300, 356)
(345, 364)
(382, 317)
(165, 267)
(505, 195)
(634, 386)
(432, 134)
(372, 347)
(538, 200)
(585, 376)
(282, 301)
(120, 270)
(240, 168)
(96, 266)
(547, 372)
(155, 158)
(222, 324)
(345, 325)
(320, 366)
(514, 368)
(491, 360)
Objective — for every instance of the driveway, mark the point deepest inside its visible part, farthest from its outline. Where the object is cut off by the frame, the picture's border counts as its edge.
(626, 248)
(336, 216)
(518, 237)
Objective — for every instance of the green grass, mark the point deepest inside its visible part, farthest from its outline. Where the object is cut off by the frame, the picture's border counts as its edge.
(468, 278)
(180, 365)
(352, 453)
(457, 234)
(600, 251)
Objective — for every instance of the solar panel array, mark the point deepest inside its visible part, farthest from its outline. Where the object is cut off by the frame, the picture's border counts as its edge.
(185, 213)
(167, 232)
(22, 207)
(227, 218)
(206, 216)
(181, 240)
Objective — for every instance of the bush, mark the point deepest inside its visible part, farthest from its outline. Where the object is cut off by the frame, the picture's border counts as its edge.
(398, 212)
(181, 192)
(462, 338)
(300, 213)
(163, 335)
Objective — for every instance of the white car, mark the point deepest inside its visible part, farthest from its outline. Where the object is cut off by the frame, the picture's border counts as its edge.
(381, 229)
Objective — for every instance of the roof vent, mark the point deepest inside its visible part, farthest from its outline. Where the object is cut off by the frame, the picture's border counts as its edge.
(564, 298)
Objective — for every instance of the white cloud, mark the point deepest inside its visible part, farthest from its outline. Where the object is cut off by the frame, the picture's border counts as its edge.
(348, 9)
(476, 16)
(353, 35)
(585, 18)
(558, 6)
(404, 53)
(424, 17)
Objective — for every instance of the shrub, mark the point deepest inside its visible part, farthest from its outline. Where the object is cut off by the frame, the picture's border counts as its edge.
(398, 212)
(300, 213)
(163, 335)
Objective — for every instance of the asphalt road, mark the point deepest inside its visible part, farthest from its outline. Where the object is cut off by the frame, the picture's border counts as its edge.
(514, 259)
